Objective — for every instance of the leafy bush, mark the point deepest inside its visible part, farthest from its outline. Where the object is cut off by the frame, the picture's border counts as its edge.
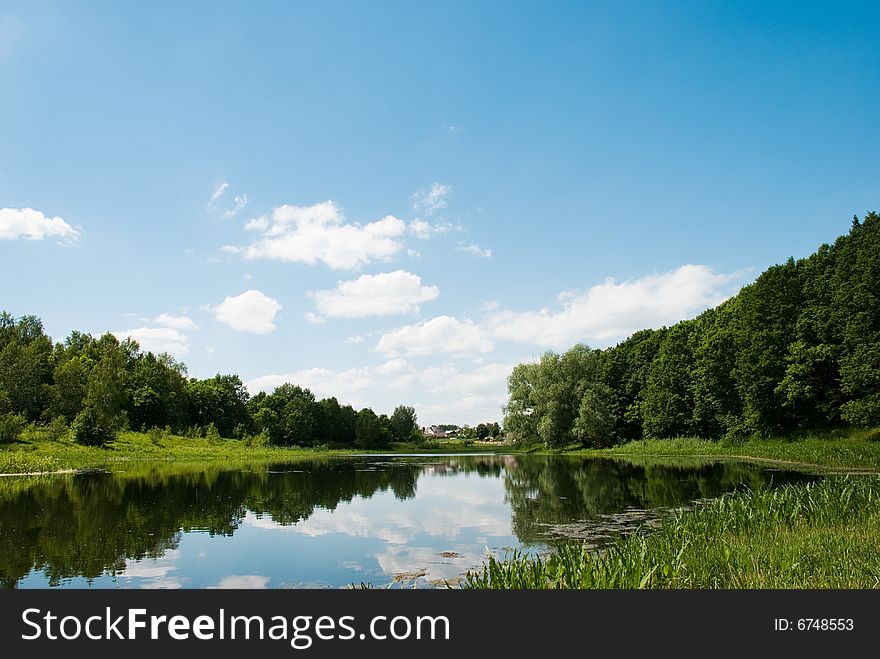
(155, 435)
(873, 435)
(56, 429)
(91, 429)
(11, 427)
(212, 434)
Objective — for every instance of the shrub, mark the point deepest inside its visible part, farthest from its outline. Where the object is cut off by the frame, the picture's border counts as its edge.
(155, 435)
(90, 429)
(873, 435)
(56, 429)
(212, 434)
(11, 427)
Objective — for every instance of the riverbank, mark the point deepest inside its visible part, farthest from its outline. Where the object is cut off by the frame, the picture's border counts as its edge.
(850, 450)
(37, 454)
(817, 535)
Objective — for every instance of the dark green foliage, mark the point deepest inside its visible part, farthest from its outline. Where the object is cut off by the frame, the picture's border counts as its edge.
(403, 423)
(25, 370)
(91, 428)
(668, 402)
(371, 430)
(11, 427)
(100, 386)
(797, 350)
(221, 400)
(595, 422)
(545, 397)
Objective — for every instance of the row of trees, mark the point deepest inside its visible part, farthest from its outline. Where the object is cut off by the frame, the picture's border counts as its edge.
(99, 386)
(797, 349)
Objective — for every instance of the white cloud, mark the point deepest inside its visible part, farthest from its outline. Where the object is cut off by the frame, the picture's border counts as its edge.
(231, 249)
(157, 339)
(612, 311)
(249, 581)
(175, 322)
(441, 334)
(314, 318)
(474, 250)
(353, 386)
(432, 199)
(240, 202)
(357, 338)
(385, 294)
(319, 233)
(251, 311)
(454, 129)
(218, 192)
(257, 224)
(424, 230)
(450, 378)
(32, 224)
(394, 367)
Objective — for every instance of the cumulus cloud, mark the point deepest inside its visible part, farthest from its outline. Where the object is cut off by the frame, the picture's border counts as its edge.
(157, 339)
(613, 310)
(385, 294)
(353, 385)
(175, 322)
(447, 377)
(320, 233)
(443, 334)
(430, 200)
(251, 311)
(32, 224)
(474, 250)
(601, 315)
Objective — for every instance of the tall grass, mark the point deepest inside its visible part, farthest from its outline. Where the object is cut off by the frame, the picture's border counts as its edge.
(817, 535)
(843, 449)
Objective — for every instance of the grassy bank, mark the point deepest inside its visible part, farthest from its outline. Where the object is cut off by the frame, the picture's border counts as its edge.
(819, 535)
(36, 453)
(847, 450)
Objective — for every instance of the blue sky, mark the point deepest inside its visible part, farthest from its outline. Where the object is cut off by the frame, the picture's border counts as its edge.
(395, 202)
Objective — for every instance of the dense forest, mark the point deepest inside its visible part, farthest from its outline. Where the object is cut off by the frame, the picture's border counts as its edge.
(100, 386)
(799, 349)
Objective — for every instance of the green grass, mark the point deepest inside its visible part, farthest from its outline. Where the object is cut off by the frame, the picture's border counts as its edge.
(818, 535)
(37, 453)
(846, 450)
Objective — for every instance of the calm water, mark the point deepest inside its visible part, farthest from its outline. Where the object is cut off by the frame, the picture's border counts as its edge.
(332, 522)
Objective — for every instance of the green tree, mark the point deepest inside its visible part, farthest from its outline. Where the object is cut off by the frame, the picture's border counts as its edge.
(221, 400)
(668, 405)
(368, 430)
(68, 392)
(403, 423)
(103, 413)
(595, 422)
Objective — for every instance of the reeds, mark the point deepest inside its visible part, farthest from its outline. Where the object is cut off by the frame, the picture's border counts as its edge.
(817, 535)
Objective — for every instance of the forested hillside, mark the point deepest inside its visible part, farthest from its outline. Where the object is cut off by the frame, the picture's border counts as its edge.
(797, 349)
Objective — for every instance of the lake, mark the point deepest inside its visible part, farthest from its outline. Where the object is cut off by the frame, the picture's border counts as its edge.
(383, 520)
